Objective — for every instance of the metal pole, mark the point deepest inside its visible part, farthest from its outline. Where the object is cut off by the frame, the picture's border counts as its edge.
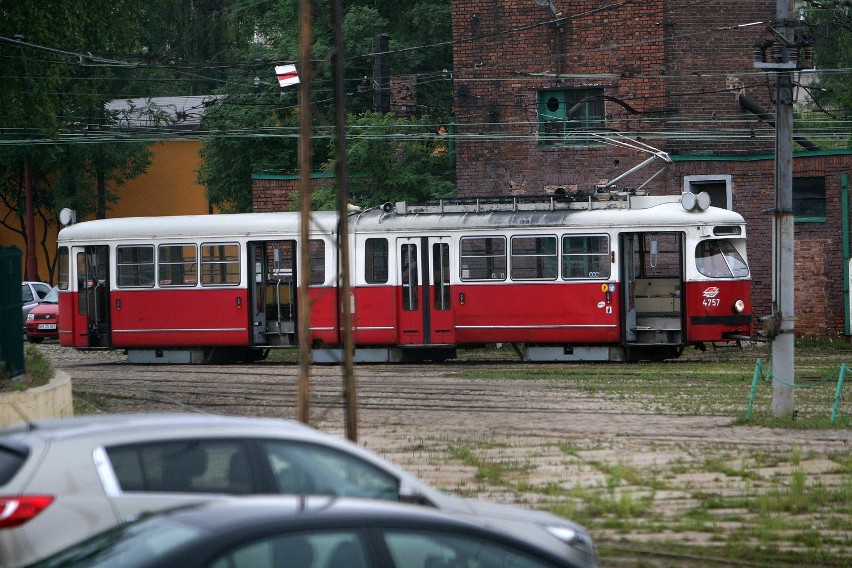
(304, 393)
(758, 369)
(783, 364)
(837, 392)
(349, 387)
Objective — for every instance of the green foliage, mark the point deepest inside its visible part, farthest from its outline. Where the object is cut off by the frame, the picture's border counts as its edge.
(255, 129)
(38, 371)
(391, 159)
(39, 368)
(54, 87)
(831, 24)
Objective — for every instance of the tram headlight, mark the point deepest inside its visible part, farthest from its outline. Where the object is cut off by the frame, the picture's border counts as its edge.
(739, 306)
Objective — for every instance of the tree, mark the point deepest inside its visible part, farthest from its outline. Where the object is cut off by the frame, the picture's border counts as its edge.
(54, 87)
(389, 163)
(254, 128)
(830, 22)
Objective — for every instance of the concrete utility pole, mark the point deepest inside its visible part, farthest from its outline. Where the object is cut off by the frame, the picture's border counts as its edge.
(304, 392)
(782, 323)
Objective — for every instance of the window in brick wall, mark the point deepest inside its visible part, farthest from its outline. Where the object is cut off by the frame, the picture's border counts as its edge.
(718, 187)
(809, 199)
(570, 117)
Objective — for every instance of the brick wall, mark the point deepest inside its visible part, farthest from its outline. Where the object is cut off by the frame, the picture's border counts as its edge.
(667, 66)
(818, 245)
(664, 67)
(279, 193)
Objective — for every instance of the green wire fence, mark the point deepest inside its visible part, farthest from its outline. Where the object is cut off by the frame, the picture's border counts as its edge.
(766, 375)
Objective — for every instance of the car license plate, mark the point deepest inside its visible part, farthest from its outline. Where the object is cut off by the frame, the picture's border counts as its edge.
(46, 326)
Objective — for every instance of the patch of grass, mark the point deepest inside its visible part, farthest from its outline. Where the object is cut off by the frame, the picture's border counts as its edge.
(799, 423)
(493, 472)
(719, 464)
(824, 343)
(38, 371)
(568, 450)
(795, 456)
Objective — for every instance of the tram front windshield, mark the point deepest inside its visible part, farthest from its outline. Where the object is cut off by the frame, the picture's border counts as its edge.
(719, 259)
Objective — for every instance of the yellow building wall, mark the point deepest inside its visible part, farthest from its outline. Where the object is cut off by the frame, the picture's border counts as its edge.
(167, 188)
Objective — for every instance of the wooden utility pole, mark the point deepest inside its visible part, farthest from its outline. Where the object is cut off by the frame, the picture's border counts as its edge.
(350, 398)
(29, 219)
(305, 71)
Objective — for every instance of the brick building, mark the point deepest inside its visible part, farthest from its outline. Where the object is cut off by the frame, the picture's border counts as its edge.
(542, 93)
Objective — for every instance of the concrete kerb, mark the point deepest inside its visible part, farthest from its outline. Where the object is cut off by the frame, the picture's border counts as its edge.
(53, 400)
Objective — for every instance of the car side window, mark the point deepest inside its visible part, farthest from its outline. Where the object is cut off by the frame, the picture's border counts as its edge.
(26, 293)
(432, 549)
(319, 549)
(41, 290)
(187, 466)
(304, 468)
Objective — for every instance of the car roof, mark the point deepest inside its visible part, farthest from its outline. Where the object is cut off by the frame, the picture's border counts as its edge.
(255, 515)
(132, 428)
(102, 424)
(305, 510)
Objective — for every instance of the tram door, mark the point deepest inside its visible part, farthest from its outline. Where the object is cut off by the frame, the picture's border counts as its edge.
(652, 284)
(628, 286)
(424, 299)
(273, 295)
(91, 326)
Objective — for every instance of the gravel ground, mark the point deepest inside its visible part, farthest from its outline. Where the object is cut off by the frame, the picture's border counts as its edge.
(540, 443)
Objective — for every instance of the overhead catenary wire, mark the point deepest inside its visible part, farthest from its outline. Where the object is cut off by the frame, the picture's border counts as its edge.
(190, 77)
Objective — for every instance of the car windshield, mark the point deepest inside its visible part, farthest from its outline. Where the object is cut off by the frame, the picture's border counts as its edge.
(127, 545)
(52, 296)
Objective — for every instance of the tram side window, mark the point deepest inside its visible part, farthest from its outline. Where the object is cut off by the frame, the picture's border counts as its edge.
(441, 275)
(177, 265)
(408, 277)
(317, 261)
(483, 258)
(63, 266)
(376, 261)
(135, 266)
(83, 282)
(585, 256)
(534, 258)
(719, 259)
(220, 264)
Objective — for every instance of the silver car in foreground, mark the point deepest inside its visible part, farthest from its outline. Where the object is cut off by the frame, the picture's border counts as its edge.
(63, 480)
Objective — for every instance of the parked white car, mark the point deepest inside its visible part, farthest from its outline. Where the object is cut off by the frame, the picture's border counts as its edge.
(32, 294)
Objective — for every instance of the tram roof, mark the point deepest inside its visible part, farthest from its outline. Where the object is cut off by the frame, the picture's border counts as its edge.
(657, 216)
(660, 215)
(233, 225)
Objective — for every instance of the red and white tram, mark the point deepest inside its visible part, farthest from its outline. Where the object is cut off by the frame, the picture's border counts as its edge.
(630, 278)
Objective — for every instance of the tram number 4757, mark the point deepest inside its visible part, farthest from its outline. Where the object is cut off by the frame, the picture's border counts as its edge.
(711, 302)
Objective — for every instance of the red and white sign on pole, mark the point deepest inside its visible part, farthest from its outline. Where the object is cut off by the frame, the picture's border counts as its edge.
(287, 75)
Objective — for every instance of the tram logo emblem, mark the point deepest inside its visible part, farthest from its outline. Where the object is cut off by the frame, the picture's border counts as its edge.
(711, 292)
